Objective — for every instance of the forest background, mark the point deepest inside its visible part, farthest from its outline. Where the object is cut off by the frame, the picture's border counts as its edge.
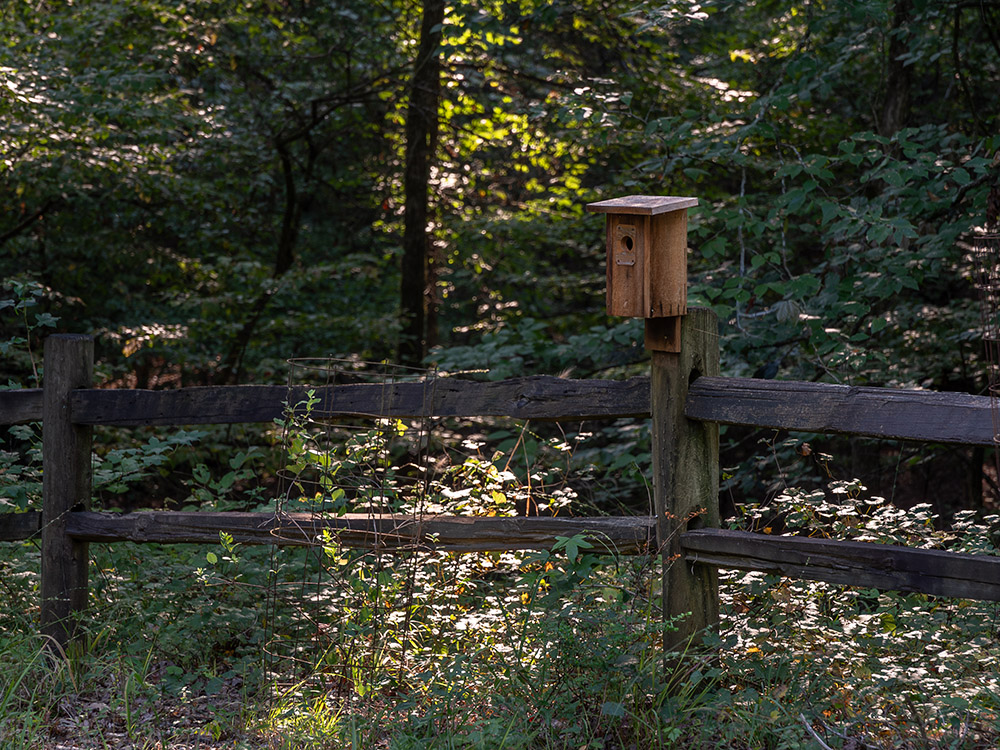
(214, 188)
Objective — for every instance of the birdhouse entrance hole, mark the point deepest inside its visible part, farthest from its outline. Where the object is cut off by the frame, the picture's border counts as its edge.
(625, 247)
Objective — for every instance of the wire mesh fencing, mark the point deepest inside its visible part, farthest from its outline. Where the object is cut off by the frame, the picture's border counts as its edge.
(345, 613)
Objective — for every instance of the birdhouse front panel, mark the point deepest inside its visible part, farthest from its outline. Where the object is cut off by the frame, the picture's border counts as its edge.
(626, 265)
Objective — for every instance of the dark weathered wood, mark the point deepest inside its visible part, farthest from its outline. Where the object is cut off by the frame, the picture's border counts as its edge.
(880, 566)
(20, 406)
(66, 484)
(16, 527)
(811, 407)
(685, 476)
(899, 414)
(625, 535)
(538, 397)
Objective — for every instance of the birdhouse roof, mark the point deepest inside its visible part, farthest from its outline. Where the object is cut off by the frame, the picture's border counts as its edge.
(643, 205)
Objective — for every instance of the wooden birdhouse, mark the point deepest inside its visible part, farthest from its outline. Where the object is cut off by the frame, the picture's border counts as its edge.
(647, 262)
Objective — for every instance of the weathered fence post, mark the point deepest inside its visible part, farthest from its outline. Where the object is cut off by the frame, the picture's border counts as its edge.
(647, 278)
(685, 477)
(66, 483)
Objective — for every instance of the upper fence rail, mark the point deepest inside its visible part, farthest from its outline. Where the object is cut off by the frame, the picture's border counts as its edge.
(21, 406)
(890, 413)
(898, 414)
(537, 397)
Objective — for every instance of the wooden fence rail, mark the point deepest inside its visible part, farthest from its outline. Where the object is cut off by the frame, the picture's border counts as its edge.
(621, 535)
(611, 534)
(880, 566)
(926, 416)
(685, 397)
(537, 397)
(893, 414)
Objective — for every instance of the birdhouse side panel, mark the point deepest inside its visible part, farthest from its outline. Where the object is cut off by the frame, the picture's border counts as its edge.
(666, 275)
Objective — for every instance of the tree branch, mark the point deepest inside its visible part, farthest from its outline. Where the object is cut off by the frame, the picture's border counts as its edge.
(27, 222)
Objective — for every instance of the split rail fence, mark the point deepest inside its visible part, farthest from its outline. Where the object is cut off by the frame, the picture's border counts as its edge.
(684, 396)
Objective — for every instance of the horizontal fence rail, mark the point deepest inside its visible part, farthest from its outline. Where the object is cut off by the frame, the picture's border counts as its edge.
(898, 414)
(537, 397)
(612, 534)
(21, 406)
(881, 566)
(626, 535)
(16, 527)
(540, 397)
(878, 566)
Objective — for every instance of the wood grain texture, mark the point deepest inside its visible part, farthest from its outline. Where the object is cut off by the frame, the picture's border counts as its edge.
(685, 457)
(666, 277)
(663, 334)
(627, 270)
(643, 205)
(538, 397)
(21, 406)
(16, 527)
(898, 414)
(930, 416)
(624, 535)
(66, 485)
(880, 566)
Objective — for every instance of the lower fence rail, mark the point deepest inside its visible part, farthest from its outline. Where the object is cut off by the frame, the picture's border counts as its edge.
(611, 534)
(864, 564)
(16, 527)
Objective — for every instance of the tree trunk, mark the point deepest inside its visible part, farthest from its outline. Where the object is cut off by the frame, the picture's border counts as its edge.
(421, 143)
(231, 369)
(896, 107)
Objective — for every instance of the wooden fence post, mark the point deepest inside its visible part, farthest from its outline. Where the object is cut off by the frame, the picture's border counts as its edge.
(685, 477)
(66, 484)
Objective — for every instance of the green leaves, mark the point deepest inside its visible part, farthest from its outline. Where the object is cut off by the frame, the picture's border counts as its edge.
(572, 545)
(119, 469)
(613, 708)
